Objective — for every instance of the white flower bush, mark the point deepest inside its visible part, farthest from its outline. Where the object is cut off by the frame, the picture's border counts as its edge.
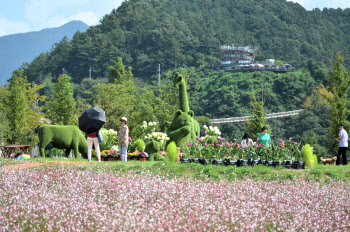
(110, 139)
(158, 136)
(211, 132)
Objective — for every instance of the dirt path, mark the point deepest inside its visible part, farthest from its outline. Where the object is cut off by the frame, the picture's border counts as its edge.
(33, 165)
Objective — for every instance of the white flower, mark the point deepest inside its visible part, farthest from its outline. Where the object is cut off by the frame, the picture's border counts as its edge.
(205, 127)
(211, 128)
(154, 123)
(144, 123)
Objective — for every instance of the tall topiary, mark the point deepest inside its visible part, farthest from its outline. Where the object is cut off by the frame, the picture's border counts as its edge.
(308, 156)
(171, 150)
(184, 127)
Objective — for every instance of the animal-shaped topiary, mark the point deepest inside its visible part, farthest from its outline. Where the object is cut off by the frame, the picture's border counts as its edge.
(62, 137)
(184, 127)
(180, 128)
(152, 149)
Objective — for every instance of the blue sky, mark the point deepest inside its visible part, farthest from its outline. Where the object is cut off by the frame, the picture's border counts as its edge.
(18, 16)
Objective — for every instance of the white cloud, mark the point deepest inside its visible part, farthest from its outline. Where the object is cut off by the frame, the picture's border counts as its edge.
(301, 2)
(7, 27)
(311, 4)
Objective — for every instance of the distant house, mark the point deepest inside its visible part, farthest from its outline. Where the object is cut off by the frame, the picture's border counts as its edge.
(242, 59)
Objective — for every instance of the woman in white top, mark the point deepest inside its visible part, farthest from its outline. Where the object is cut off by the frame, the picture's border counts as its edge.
(246, 141)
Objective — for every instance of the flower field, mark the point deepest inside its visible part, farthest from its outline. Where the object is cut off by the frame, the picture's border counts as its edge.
(81, 198)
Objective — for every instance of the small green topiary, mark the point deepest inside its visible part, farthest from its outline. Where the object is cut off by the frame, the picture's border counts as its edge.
(140, 144)
(171, 150)
(308, 156)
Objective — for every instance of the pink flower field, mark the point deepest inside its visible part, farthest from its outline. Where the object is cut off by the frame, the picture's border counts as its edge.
(72, 199)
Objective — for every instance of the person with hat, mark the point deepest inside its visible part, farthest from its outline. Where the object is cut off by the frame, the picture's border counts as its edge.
(123, 137)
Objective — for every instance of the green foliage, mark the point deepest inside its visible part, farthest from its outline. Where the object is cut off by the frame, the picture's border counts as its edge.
(171, 152)
(18, 108)
(62, 137)
(338, 86)
(140, 144)
(188, 33)
(308, 156)
(61, 109)
(110, 139)
(117, 71)
(258, 120)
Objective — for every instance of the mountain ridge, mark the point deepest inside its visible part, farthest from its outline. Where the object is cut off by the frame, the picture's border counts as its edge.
(20, 48)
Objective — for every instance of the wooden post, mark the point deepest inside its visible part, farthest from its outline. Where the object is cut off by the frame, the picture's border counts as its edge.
(178, 155)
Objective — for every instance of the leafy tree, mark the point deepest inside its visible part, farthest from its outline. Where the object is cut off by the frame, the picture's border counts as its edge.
(117, 71)
(61, 109)
(336, 96)
(19, 103)
(258, 120)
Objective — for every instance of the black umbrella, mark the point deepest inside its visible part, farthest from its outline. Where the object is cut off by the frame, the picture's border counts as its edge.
(92, 120)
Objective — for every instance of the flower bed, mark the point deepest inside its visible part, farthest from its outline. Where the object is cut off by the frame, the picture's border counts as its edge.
(86, 200)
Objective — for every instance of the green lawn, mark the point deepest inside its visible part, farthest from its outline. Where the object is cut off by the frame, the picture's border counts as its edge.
(198, 171)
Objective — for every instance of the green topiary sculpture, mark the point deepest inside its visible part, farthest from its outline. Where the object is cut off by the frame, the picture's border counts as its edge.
(62, 137)
(184, 127)
(153, 148)
(171, 150)
(308, 156)
(180, 128)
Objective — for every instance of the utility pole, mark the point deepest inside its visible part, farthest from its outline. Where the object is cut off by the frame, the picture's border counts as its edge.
(158, 74)
(90, 70)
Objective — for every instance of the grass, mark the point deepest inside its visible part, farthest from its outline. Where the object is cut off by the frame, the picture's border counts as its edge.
(197, 171)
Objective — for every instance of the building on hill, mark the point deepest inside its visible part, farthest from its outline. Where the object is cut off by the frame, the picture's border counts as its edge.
(242, 59)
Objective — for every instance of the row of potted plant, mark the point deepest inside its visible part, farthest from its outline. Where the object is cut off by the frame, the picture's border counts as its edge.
(246, 162)
(222, 149)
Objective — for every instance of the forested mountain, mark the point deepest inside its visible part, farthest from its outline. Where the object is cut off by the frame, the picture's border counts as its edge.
(24, 47)
(189, 32)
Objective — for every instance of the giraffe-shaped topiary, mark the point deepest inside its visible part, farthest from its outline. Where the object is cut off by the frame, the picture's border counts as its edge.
(184, 127)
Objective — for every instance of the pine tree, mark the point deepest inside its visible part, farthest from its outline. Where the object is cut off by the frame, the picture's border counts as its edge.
(256, 123)
(61, 109)
(117, 71)
(337, 97)
(19, 103)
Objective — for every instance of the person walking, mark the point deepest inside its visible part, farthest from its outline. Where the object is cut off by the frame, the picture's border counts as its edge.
(246, 140)
(123, 137)
(264, 137)
(343, 145)
(92, 139)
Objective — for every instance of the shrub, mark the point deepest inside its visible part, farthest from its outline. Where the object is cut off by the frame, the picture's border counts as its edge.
(172, 152)
(140, 145)
(308, 156)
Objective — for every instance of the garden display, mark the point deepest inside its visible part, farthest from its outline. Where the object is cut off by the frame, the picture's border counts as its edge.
(62, 137)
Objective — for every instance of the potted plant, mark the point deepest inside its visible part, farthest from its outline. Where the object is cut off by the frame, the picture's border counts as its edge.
(103, 156)
(143, 156)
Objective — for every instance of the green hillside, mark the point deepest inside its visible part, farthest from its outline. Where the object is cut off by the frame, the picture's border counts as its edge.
(188, 33)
